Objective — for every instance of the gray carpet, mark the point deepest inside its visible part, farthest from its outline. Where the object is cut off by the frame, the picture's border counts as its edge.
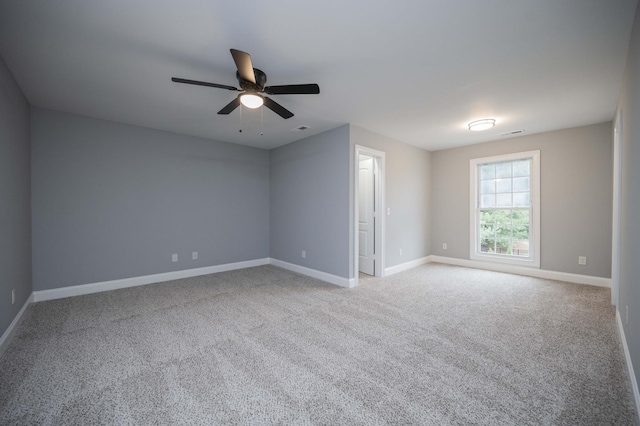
(434, 345)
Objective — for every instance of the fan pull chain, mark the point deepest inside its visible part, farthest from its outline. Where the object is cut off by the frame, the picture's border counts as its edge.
(262, 120)
(240, 130)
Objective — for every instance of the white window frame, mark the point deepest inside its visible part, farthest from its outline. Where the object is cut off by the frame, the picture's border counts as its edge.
(474, 215)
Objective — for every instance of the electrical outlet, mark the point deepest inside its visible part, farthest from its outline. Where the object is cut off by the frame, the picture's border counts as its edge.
(400, 252)
(194, 255)
(304, 254)
(174, 257)
(626, 315)
(13, 296)
(444, 246)
(582, 260)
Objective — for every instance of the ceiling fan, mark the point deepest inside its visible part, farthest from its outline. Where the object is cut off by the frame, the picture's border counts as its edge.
(252, 82)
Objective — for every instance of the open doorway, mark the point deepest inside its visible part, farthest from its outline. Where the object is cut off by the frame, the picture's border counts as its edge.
(368, 212)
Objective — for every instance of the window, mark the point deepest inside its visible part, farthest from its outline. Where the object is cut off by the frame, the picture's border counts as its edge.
(505, 209)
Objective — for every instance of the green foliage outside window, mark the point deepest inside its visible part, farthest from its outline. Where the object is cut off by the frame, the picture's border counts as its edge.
(505, 231)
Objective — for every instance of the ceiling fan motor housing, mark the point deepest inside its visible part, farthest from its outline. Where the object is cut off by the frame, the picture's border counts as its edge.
(258, 86)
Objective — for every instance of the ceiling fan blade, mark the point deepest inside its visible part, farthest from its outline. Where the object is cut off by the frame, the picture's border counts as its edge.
(277, 108)
(203, 83)
(244, 65)
(230, 106)
(293, 89)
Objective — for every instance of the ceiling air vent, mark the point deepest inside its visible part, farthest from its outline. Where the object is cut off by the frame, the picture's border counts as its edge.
(515, 132)
(300, 129)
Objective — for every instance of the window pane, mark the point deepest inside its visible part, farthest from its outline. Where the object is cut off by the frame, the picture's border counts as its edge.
(488, 200)
(503, 246)
(520, 232)
(520, 248)
(520, 217)
(487, 171)
(503, 216)
(487, 245)
(521, 168)
(487, 231)
(503, 170)
(503, 224)
(488, 186)
(503, 185)
(521, 184)
(504, 200)
(487, 216)
(521, 199)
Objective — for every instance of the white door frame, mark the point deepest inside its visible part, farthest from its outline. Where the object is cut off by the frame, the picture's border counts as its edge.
(617, 204)
(379, 157)
(367, 209)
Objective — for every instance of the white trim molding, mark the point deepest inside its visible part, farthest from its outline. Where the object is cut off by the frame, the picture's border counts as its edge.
(627, 356)
(522, 270)
(380, 228)
(313, 273)
(617, 208)
(78, 290)
(10, 331)
(406, 266)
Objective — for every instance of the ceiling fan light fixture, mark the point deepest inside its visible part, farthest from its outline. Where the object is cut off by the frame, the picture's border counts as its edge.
(252, 82)
(251, 100)
(484, 124)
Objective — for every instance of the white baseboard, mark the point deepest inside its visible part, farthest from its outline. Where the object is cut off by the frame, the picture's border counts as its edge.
(58, 293)
(520, 270)
(10, 331)
(330, 278)
(406, 266)
(77, 290)
(627, 356)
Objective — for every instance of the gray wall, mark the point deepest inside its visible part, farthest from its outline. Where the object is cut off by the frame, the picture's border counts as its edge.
(629, 104)
(114, 201)
(309, 202)
(15, 198)
(407, 194)
(576, 179)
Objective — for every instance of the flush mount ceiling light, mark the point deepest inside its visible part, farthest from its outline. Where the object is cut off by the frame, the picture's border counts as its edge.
(483, 124)
(251, 100)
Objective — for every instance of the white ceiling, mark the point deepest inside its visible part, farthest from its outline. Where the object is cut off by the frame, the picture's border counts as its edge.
(417, 71)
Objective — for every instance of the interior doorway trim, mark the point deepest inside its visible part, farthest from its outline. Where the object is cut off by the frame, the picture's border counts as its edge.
(379, 158)
(617, 207)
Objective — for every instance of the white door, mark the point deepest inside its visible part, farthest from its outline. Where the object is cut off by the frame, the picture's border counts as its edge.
(366, 213)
